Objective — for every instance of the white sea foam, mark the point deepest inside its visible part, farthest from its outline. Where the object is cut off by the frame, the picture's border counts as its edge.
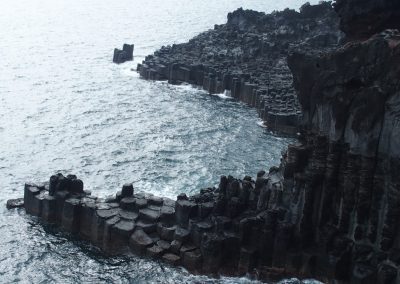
(131, 72)
(261, 123)
(226, 95)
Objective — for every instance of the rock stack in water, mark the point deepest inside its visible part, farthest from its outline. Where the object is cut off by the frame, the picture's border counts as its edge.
(247, 57)
(126, 54)
(330, 211)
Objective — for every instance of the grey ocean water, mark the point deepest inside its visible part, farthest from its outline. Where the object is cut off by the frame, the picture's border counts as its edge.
(65, 107)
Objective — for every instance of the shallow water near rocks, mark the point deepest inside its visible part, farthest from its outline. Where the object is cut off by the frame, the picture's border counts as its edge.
(64, 107)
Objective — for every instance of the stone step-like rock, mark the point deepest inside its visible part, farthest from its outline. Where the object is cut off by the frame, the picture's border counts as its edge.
(140, 241)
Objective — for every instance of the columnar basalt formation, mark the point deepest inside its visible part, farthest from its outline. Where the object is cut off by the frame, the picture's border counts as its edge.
(330, 211)
(351, 179)
(126, 54)
(232, 229)
(247, 56)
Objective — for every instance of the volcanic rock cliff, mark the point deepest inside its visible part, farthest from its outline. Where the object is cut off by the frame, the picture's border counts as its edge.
(363, 18)
(247, 56)
(350, 100)
(329, 211)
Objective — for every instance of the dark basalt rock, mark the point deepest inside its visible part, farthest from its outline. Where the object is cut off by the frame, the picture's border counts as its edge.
(70, 219)
(154, 252)
(192, 234)
(15, 203)
(126, 54)
(49, 209)
(171, 258)
(70, 184)
(128, 203)
(140, 241)
(127, 190)
(148, 215)
(247, 57)
(330, 211)
(362, 19)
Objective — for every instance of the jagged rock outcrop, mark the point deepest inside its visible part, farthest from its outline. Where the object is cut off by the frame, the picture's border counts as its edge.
(247, 56)
(126, 54)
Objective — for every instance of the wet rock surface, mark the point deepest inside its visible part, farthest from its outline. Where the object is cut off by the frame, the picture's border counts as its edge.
(247, 57)
(15, 203)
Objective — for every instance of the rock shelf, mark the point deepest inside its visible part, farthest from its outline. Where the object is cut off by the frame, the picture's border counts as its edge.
(247, 57)
(219, 230)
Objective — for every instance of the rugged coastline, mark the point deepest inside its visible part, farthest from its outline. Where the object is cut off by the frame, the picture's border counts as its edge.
(247, 57)
(329, 211)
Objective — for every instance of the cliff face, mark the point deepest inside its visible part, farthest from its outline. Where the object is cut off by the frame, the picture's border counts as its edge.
(350, 96)
(247, 56)
(363, 18)
(350, 174)
(351, 107)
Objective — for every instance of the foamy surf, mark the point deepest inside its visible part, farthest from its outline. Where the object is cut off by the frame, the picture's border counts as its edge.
(131, 72)
(261, 124)
(226, 95)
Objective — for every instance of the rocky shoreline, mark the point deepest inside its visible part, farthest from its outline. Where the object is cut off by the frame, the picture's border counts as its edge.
(330, 211)
(247, 57)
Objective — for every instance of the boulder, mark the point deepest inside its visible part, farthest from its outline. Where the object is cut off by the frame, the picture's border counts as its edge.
(164, 245)
(181, 234)
(154, 251)
(15, 203)
(171, 259)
